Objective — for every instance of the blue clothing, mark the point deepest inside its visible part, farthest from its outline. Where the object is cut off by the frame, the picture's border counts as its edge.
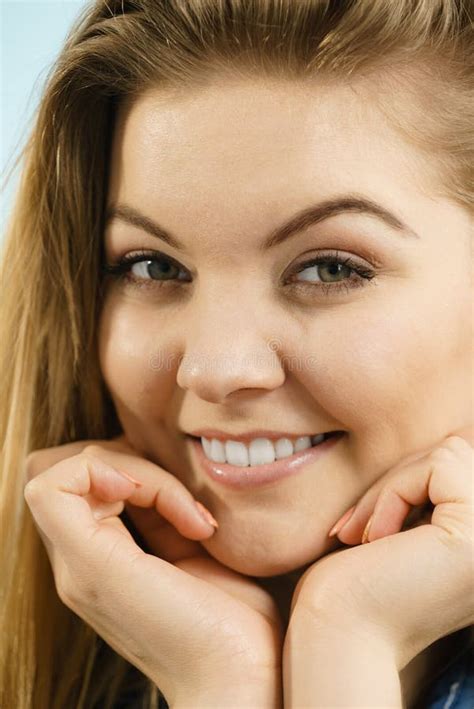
(454, 687)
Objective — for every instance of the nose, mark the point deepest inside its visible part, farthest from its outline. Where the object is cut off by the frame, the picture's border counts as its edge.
(223, 355)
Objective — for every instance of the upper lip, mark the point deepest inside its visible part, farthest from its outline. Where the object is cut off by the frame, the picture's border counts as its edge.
(248, 436)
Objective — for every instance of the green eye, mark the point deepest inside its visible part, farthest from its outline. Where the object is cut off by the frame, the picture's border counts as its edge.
(156, 269)
(146, 269)
(327, 272)
(330, 274)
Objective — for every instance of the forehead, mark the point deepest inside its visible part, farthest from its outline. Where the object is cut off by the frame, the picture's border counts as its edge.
(256, 147)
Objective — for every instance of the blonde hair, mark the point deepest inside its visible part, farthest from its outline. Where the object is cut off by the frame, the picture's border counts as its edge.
(52, 391)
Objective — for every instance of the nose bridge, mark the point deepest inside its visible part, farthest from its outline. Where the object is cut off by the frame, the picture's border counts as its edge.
(228, 345)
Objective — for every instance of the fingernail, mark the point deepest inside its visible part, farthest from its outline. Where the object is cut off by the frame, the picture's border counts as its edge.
(341, 522)
(206, 515)
(365, 533)
(129, 477)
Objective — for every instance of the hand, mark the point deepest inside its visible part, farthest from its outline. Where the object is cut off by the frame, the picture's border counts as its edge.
(195, 627)
(408, 587)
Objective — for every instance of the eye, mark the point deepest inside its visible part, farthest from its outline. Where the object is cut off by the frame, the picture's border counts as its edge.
(145, 269)
(326, 271)
(330, 273)
(157, 269)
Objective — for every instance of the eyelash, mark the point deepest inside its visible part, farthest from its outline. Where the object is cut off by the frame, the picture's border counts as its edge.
(121, 271)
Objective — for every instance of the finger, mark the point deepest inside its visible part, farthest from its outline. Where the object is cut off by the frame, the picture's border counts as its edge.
(366, 503)
(57, 497)
(78, 545)
(394, 516)
(159, 536)
(443, 478)
(104, 577)
(98, 509)
(159, 490)
(104, 510)
(390, 511)
(43, 458)
(40, 460)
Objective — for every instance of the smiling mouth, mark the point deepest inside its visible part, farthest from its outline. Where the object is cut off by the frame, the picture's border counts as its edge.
(242, 478)
(260, 451)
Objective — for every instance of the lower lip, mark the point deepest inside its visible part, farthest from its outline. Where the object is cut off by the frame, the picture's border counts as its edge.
(240, 478)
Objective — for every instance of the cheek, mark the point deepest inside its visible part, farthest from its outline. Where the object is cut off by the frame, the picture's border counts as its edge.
(382, 373)
(361, 365)
(134, 365)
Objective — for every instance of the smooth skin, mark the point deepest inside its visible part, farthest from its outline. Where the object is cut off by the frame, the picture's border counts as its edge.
(363, 625)
(158, 614)
(233, 346)
(369, 611)
(236, 348)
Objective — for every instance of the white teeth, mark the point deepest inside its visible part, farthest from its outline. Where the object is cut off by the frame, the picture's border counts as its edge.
(261, 450)
(236, 453)
(283, 448)
(207, 446)
(302, 443)
(217, 451)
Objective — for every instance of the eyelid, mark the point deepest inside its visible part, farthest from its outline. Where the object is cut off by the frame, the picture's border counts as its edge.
(137, 255)
(328, 255)
(363, 274)
(121, 267)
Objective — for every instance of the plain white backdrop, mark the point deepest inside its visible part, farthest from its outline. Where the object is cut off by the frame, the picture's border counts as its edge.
(32, 33)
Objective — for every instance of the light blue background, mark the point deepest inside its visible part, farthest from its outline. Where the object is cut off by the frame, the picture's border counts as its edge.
(32, 33)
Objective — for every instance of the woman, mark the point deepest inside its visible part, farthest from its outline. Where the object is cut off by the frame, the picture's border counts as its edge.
(247, 231)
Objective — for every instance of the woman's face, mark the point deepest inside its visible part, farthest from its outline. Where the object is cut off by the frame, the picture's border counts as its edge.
(222, 337)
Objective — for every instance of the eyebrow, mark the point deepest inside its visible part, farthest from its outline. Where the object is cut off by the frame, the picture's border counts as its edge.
(301, 220)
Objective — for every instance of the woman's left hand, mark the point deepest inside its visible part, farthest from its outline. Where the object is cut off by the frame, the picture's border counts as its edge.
(410, 587)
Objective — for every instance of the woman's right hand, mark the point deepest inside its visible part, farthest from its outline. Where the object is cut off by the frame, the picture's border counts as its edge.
(204, 634)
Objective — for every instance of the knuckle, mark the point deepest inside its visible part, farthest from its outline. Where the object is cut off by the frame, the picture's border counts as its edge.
(443, 454)
(386, 495)
(32, 490)
(39, 460)
(454, 448)
(92, 449)
(456, 443)
(451, 443)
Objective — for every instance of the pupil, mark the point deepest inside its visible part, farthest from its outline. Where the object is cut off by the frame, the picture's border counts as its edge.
(334, 269)
(160, 269)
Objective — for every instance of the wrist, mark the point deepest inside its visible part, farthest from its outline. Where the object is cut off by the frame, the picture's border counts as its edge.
(264, 692)
(338, 663)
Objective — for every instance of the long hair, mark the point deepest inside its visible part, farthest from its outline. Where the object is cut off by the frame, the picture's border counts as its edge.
(51, 389)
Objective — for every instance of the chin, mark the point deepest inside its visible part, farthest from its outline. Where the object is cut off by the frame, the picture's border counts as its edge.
(259, 560)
